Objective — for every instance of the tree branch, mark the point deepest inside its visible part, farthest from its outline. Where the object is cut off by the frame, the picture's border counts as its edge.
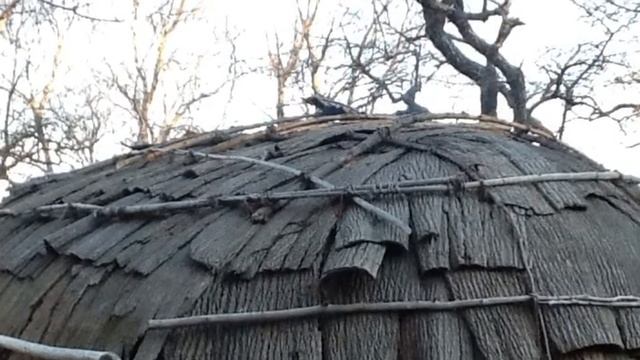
(74, 10)
(435, 14)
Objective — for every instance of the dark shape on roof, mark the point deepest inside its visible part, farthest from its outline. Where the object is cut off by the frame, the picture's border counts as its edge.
(413, 108)
(326, 107)
(409, 99)
(93, 282)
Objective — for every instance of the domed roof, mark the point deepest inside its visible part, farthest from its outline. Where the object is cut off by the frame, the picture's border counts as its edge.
(233, 222)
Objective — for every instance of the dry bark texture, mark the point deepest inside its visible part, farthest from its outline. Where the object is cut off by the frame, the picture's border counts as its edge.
(94, 282)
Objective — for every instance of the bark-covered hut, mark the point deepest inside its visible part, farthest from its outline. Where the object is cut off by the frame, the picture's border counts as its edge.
(453, 241)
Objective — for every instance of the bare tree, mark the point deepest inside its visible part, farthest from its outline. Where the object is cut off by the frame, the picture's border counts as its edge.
(571, 76)
(316, 48)
(36, 127)
(362, 56)
(41, 10)
(388, 52)
(161, 84)
(387, 60)
(285, 64)
(81, 119)
(436, 13)
(618, 22)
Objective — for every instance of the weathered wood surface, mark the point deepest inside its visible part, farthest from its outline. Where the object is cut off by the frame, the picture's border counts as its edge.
(93, 282)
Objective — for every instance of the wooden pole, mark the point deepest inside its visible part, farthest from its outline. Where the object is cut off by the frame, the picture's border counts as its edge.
(398, 306)
(53, 352)
(403, 187)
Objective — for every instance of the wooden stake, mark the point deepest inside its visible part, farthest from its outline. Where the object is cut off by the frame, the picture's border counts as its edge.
(53, 352)
(398, 306)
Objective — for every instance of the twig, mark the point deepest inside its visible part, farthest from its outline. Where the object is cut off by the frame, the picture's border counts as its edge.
(269, 164)
(398, 306)
(362, 147)
(442, 184)
(53, 352)
(289, 123)
(426, 117)
(298, 122)
(301, 120)
(367, 144)
(74, 11)
(313, 178)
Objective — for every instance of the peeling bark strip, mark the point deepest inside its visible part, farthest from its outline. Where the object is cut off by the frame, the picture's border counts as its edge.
(51, 352)
(397, 306)
(413, 186)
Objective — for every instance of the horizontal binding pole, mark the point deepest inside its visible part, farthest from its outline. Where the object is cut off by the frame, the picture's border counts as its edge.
(399, 306)
(434, 185)
(314, 179)
(41, 351)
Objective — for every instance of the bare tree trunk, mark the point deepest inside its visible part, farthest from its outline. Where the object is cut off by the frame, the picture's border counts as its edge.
(284, 69)
(144, 131)
(38, 103)
(280, 99)
(43, 140)
(489, 91)
(436, 13)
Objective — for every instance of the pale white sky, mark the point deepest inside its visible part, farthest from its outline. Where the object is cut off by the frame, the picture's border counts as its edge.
(254, 98)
